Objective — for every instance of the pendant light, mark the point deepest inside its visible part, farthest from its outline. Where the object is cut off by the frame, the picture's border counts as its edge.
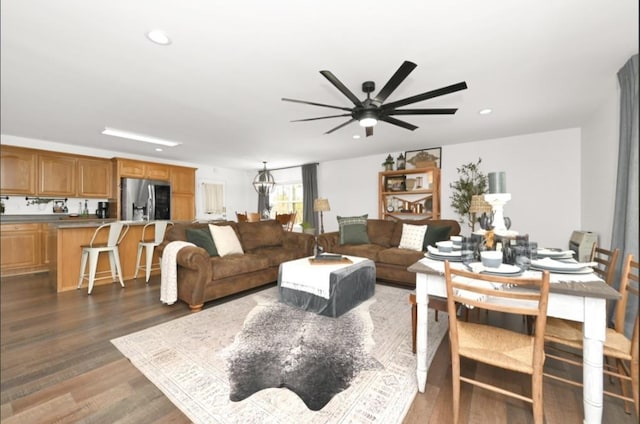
(264, 181)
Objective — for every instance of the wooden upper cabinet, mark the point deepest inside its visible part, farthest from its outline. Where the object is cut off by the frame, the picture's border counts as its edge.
(137, 169)
(131, 168)
(158, 171)
(17, 171)
(94, 177)
(56, 175)
(183, 180)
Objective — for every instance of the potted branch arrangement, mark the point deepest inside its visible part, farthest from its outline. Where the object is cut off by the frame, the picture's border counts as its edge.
(471, 182)
(308, 228)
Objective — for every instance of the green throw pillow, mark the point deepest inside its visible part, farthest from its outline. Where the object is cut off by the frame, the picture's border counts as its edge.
(201, 237)
(434, 234)
(353, 229)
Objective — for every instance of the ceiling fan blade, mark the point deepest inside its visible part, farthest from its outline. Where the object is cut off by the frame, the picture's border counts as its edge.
(322, 117)
(368, 131)
(436, 111)
(424, 96)
(398, 122)
(340, 126)
(403, 72)
(340, 86)
(315, 104)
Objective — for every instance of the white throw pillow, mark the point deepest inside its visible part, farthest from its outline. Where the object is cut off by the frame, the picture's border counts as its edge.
(412, 237)
(225, 239)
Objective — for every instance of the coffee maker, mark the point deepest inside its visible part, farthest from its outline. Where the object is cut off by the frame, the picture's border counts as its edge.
(103, 210)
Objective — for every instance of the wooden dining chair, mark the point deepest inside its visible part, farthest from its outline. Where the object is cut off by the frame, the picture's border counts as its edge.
(253, 217)
(607, 261)
(241, 217)
(494, 346)
(622, 351)
(287, 220)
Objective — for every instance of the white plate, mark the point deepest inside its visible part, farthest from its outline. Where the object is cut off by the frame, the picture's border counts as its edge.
(435, 251)
(437, 257)
(585, 270)
(503, 269)
(555, 253)
(551, 264)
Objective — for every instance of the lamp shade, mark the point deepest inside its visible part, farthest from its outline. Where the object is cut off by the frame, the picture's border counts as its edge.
(321, 205)
(264, 181)
(479, 205)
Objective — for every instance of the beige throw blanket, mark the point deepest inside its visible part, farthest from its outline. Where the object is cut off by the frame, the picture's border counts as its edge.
(169, 272)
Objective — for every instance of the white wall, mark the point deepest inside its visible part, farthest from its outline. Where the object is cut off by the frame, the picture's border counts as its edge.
(543, 177)
(600, 140)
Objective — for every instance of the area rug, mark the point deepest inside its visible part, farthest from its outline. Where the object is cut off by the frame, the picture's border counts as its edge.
(256, 360)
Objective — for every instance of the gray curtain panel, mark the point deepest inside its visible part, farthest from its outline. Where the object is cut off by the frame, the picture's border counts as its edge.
(625, 219)
(309, 193)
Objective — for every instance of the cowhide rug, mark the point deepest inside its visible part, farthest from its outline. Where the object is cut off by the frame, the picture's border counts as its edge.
(251, 360)
(314, 356)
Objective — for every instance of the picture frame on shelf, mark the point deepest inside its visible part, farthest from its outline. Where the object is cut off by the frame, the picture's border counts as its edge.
(395, 183)
(424, 158)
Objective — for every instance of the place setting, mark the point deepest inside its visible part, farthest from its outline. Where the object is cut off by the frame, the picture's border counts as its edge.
(562, 267)
(448, 250)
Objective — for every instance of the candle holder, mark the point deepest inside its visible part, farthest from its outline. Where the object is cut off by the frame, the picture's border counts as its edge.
(497, 202)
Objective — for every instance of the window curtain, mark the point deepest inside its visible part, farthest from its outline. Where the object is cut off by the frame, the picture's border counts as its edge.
(625, 219)
(309, 193)
(263, 204)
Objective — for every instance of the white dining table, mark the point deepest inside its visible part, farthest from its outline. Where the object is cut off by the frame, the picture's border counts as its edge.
(574, 297)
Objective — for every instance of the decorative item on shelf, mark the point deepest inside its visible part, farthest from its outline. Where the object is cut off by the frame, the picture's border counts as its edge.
(471, 182)
(396, 183)
(411, 183)
(425, 158)
(321, 205)
(263, 181)
(400, 162)
(418, 183)
(388, 163)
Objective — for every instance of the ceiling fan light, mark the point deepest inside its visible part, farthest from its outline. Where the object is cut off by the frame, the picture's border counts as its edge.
(368, 122)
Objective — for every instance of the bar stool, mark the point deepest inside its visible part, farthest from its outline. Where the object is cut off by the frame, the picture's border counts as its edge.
(160, 229)
(93, 250)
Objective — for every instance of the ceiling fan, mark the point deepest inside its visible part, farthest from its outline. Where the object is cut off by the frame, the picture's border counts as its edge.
(369, 111)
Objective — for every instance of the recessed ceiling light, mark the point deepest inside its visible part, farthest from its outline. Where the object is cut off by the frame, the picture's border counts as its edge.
(158, 149)
(159, 37)
(485, 111)
(139, 137)
(356, 136)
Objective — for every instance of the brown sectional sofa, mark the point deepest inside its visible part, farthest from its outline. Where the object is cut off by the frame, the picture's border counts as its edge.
(384, 238)
(266, 245)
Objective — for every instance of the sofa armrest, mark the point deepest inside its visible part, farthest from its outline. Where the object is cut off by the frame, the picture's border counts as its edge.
(302, 241)
(329, 241)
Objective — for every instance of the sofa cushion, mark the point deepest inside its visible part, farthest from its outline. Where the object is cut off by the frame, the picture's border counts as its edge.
(201, 237)
(436, 233)
(276, 255)
(235, 264)
(225, 239)
(353, 229)
(412, 237)
(260, 234)
(380, 231)
(369, 251)
(401, 257)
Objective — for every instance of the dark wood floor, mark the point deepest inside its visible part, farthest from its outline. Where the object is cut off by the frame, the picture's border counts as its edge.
(58, 364)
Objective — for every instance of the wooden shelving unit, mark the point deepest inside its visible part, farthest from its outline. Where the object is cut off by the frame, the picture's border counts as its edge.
(399, 198)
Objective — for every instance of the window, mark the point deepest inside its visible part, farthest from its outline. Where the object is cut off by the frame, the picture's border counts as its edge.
(286, 196)
(213, 199)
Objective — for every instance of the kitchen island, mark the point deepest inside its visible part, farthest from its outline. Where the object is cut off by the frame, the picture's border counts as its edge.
(65, 249)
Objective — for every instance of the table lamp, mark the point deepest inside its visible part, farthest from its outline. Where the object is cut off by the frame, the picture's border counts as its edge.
(321, 205)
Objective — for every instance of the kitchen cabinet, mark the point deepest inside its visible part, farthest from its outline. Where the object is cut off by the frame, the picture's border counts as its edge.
(56, 175)
(21, 249)
(17, 170)
(94, 177)
(409, 194)
(128, 168)
(183, 190)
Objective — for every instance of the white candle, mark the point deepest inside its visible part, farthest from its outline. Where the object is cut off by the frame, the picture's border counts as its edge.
(497, 182)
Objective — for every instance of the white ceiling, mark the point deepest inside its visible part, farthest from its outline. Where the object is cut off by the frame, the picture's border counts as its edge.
(69, 68)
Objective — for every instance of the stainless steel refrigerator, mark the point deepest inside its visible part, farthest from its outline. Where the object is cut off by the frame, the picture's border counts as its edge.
(145, 200)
